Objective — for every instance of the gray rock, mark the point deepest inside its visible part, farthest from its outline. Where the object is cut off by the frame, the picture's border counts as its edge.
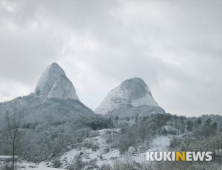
(130, 99)
(63, 89)
(54, 83)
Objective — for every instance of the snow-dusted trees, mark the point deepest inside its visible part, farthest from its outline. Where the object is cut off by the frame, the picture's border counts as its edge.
(160, 120)
(199, 121)
(189, 125)
(175, 142)
(128, 138)
(205, 131)
(141, 132)
(77, 164)
(216, 143)
(13, 121)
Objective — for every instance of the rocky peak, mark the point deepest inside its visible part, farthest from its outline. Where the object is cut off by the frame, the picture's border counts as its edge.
(54, 83)
(135, 88)
(132, 92)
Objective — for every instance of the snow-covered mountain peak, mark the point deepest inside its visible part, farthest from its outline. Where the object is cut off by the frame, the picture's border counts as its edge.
(54, 83)
(135, 88)
(63, 89)
(132, 92)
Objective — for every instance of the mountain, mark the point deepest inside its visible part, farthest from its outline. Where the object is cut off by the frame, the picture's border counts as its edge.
(54, 83)
(54, 99)
(131, 98)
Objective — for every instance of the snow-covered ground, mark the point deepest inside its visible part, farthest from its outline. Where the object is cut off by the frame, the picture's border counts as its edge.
(6, 157)
(41, 166)
(30, 166)
(100, 154)
(159, 143)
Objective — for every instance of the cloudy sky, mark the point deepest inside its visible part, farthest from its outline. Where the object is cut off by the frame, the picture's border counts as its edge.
(174, 46)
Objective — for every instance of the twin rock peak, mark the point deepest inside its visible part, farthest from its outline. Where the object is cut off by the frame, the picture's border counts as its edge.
(54, 83)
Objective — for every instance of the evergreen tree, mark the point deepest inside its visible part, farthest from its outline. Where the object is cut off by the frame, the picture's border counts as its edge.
(208, 121)
(199, 121)
(189, 125)
(214, 125)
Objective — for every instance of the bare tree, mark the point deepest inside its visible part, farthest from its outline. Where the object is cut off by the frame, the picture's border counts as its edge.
(13, 121)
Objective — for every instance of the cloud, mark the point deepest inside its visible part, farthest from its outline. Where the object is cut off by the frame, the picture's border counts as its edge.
(175, 46)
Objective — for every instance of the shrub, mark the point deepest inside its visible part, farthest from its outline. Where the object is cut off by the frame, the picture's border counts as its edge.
(175, 142)
(93, 134)
(56, 163)
(78, 163)
(105, 167)
(87, 143)
(95, 147)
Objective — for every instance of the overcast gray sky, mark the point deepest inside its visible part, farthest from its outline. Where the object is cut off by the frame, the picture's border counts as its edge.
(174, 46)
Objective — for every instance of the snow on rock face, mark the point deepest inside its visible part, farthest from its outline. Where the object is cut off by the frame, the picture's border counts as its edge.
(112, 100)
(54, 83)
(132, 91)
(63, 89)
(145, 100)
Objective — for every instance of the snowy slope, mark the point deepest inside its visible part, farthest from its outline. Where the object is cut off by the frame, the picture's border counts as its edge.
(159, 143)
(99, 154)
(32, 166)
(112, 100)
(132, 92)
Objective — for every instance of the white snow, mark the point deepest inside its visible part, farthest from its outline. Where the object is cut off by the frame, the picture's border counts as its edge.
(5, 157)
(40, 166)
(88, 154)
(146, 100)
(109, 103)
(63, 89)
(159, 143)
(24, 165)
(47, 80)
